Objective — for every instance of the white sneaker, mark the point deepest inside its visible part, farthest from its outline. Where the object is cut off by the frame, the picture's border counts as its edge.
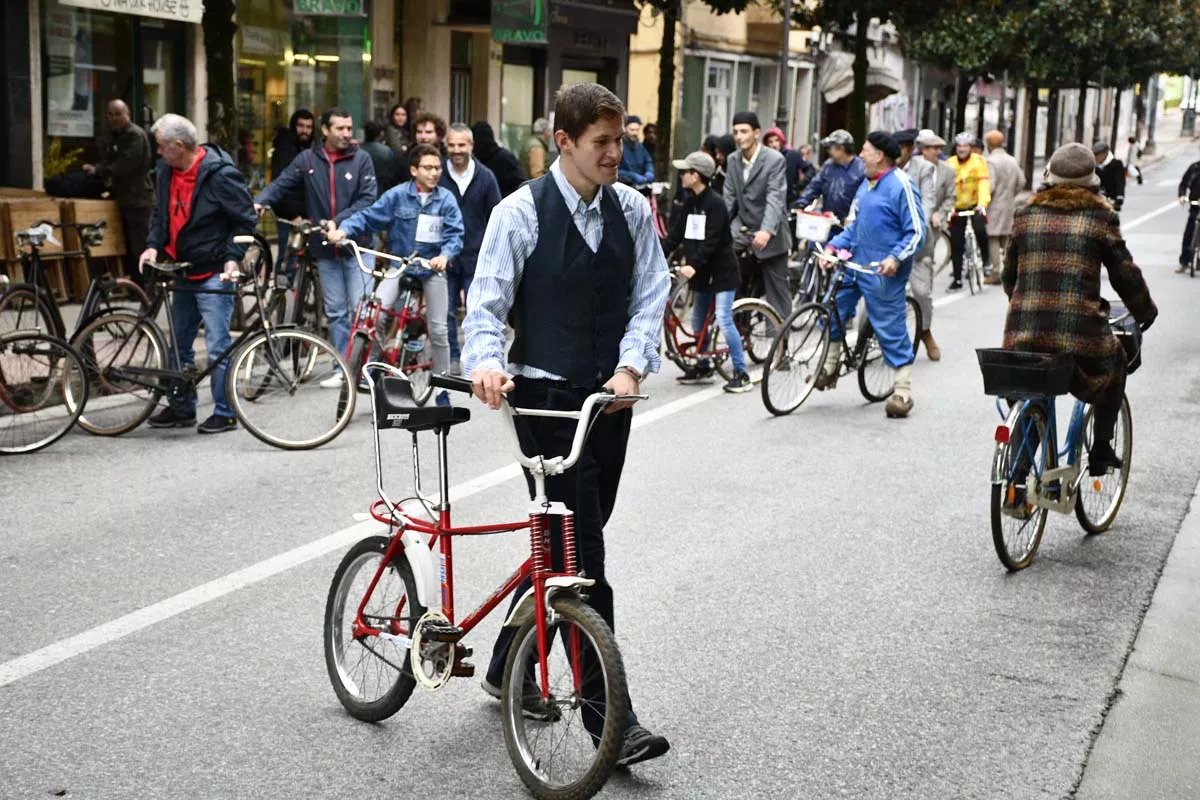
(332, 382)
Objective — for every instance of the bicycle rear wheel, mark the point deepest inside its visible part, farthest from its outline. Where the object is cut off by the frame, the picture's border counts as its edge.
(875, 376)
(122, 294)
(23, 309)
(758, 323)
(795, 359)
(37, 373)
(371, 675)
(1099, 498)
(1018, 466)
(124, 355)
(573, 749)
(274, 386)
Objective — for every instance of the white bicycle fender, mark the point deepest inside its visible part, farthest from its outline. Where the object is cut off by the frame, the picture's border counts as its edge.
(420, 559)
(999, 450)
(523, 611)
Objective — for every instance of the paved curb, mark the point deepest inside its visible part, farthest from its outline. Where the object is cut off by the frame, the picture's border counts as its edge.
(1148, 743)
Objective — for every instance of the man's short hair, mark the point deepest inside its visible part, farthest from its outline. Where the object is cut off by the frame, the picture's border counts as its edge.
(540, 125)
(462, 127)
(426, 117)
(330, 113)
(580, 105)
(174, 128)
(420, 151)
(371, 130)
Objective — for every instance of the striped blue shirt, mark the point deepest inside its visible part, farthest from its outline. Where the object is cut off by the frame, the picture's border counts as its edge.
(510, 239)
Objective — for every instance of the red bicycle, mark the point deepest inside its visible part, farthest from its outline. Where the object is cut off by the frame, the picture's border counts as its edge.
(402, 337)
(389, 628)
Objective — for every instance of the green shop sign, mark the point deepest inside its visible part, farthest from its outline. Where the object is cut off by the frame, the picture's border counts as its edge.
(521, 21)
(331, 8)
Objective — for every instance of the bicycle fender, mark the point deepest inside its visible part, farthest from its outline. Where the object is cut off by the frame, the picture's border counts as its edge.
(1014, 413)
(522, 612)
(420, 559)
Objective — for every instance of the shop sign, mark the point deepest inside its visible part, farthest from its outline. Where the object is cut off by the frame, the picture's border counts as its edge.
(178, 10)
(520, 21)
(331, 8)
(261, 41)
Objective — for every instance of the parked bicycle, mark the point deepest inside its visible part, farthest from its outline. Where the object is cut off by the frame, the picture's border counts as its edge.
(972, 260)
(1029, 478)
(390, 622)
(798, 353)
(38, 373)
(30, 305)
(272, 384)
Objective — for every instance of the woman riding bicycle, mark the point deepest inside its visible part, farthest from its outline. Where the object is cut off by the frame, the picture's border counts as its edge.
(1052, 278)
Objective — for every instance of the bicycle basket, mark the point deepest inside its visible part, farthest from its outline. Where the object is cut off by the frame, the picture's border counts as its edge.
(1130, 336)
(813, 227)
(1019, 375)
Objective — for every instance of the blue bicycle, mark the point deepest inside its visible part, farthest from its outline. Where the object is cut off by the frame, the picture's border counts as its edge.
(1031, 474)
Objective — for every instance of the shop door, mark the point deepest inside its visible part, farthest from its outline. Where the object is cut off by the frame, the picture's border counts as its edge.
(159, 81)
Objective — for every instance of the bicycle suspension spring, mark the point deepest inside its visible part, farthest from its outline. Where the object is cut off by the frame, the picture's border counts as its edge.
(568, 534)
(537, 544)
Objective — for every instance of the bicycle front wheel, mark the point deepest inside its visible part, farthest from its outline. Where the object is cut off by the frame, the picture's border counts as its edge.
(570, 751)
(1099, 498)
(758, 323)
(371, 675)
(125, 357)
(275, 389)
(795, 359)
(23, 309)
(1018, 467)
(37, 374)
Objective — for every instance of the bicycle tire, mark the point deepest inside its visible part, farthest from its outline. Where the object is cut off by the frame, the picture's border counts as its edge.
(1117, 482)
(914, 322)
(259, 262)
(360, 345)
(24, 391)
(969, 265)
(588, 629)
(298, 359)
(395, 661)
(1036, 518)
(795, 359)
(758, 323)
(874, 374)
(942, 242)
(100, 343)
(24, 309)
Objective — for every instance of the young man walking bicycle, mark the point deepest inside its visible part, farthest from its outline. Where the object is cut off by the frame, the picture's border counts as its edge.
(573, 259)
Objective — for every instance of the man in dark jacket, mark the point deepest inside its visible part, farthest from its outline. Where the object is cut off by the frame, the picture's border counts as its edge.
(202, 204)
(127, 160)
(637, 167)
(338, 179)
(703, 230)
(503, 164)
(474, 187)
(383, 158)
(1189, 193)
(289, 143)
(1112, 174)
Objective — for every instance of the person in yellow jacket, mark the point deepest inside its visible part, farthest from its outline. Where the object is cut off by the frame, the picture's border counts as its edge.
(972, 191)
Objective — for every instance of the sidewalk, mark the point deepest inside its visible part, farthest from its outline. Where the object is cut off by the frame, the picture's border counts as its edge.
(1147, 747)
(1167, 141)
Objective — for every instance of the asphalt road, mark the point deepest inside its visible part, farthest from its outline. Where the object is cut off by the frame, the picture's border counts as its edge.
(808, 607)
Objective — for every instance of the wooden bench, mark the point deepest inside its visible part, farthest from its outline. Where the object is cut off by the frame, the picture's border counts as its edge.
(110, 251)
(18, 214)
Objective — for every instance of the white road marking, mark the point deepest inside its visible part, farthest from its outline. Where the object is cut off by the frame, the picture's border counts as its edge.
(1168, 182)
(1125, 226)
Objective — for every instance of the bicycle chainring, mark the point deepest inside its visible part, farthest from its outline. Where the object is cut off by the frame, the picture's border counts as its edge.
(432, 661)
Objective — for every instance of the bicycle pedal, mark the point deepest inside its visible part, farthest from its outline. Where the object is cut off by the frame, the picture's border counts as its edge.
(463, 669)
(437, 631)
(461, 651)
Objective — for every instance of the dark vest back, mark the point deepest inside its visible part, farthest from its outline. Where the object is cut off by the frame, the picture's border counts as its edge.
(572, 305)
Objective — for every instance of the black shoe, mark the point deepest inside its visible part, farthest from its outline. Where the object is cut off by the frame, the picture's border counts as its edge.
(954, 286)
(218, 424)
(170, 418)
(701, 373)
(532, 705)
(738, 384)
(641, 745)
(1102, 458)
(1016, 503)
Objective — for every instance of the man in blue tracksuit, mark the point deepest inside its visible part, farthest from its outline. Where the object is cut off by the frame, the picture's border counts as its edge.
(338, 179)
(839, 177)
(420, 217)
(888, 229)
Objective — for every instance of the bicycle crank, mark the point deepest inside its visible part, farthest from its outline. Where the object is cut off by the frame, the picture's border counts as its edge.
(432, 660)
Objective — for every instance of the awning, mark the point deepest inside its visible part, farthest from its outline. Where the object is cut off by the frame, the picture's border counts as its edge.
(837, 79)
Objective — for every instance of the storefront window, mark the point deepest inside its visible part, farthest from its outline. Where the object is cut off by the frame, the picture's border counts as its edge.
(516, 105)
(288, 61)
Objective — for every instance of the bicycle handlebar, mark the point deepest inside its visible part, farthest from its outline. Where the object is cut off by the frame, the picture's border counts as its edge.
(870, 269)
(393, 272)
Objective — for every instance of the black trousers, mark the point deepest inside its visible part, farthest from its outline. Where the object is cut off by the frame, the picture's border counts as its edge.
(958, 241)
(1189, 230)
(589, 489)
(136, 223)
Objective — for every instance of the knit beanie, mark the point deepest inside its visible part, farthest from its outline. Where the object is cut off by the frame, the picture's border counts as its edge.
(1072, 165)
(884, 143)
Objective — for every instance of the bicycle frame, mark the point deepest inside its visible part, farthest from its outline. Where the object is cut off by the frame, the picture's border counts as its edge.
(696, 344)
(1068, 476)
(33, 272)
(366, 321)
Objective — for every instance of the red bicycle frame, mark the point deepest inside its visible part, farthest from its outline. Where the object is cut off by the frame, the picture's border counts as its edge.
(692, 344)
(366, 322)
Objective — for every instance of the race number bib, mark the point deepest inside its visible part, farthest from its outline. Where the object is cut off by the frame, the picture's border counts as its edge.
(695, 227)
(429, 229)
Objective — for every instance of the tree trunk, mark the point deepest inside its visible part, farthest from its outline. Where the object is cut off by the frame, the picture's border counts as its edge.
(1031, 92)
(666, 91)
(219, 30)
(1081, 109)
(1099, 118)
(1116, 121)
(982, 113)
(858, 98)
(1051, 123)
(962, 87)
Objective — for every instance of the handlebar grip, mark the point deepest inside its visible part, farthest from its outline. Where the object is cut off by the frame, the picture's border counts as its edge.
(451, 382)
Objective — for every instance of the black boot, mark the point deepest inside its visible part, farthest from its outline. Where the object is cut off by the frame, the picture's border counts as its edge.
(1101, 458)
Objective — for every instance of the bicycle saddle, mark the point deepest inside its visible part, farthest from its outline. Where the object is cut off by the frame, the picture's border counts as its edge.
(409, 283)
(396, 408)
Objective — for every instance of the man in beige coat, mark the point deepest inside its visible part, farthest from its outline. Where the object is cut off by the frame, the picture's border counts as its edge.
(941, 205)
(1008, 179)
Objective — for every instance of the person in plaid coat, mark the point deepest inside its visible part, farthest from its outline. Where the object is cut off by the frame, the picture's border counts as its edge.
(1052, 278)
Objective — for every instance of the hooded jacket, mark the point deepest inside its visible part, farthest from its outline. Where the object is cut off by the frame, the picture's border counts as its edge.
(636, 165)
(503, 164)
(221, 209)
(335, 185)
(799, 172)
(836, 185)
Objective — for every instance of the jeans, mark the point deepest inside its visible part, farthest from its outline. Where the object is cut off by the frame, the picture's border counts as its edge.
(436, 312)
(590, 490)
(343, 284)
(457, 283)
(724, 317)
(958, 241)
(187, 309)
(887, 310)
(1185, 255)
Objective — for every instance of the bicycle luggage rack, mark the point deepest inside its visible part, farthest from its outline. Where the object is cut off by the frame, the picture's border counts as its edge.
(1024, 375)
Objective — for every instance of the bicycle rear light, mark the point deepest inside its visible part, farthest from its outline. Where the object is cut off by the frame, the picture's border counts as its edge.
(1002, 434)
